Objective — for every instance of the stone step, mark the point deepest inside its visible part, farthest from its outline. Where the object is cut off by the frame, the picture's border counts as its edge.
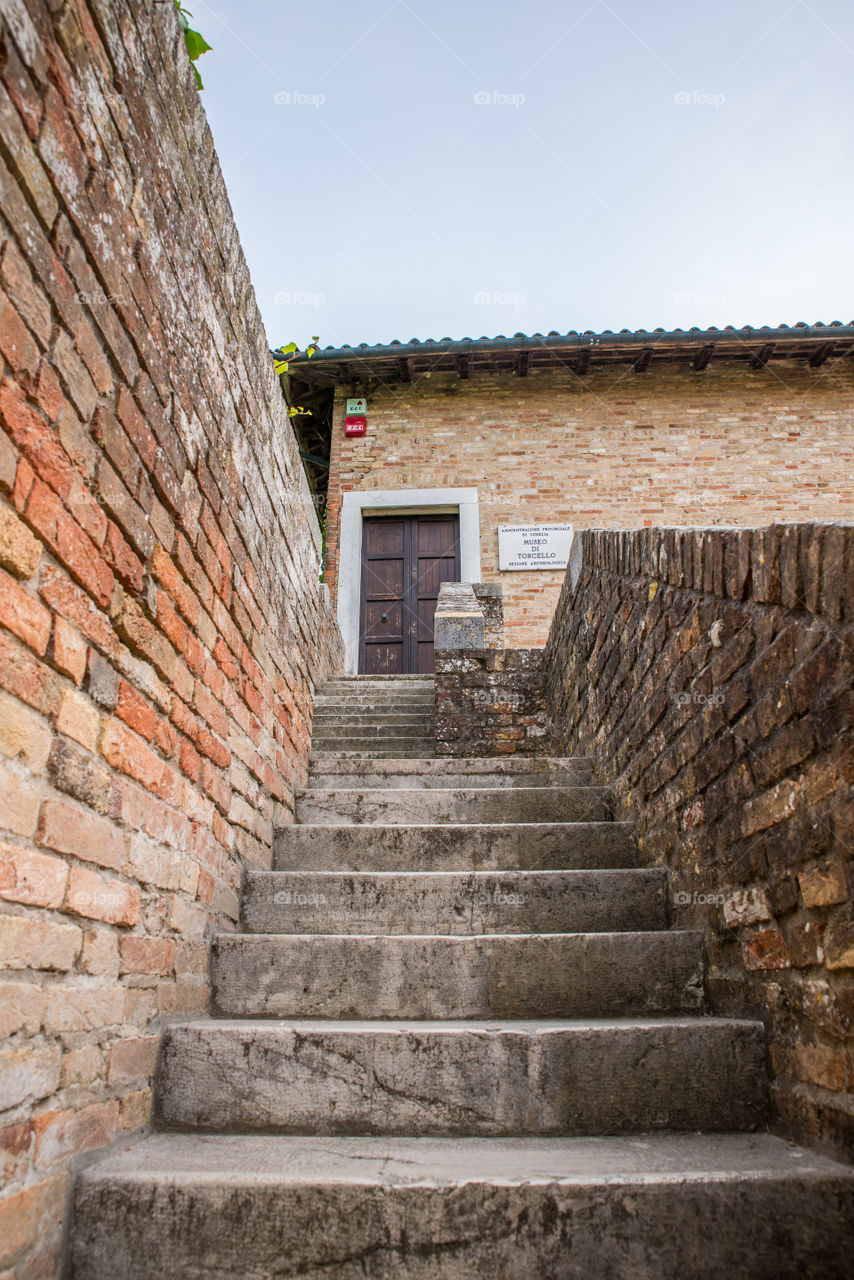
(362, 685)
(420, 693)
(372, 727)
(661, 1207)
(364, 720)
(576, 975)
(390, 744)
(492, 1078)
(514, 771)
(461, 847)
(421, 751)
(454, 902)
(377, 698)
(374, 706)
(343, 806)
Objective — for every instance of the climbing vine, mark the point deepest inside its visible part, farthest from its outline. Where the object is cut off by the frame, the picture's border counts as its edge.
(281, 360)
(195, 42)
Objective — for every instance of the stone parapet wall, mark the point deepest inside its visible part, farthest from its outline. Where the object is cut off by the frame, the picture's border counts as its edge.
(489, 596)
(161, 624)
(490, 701)
(710, 672)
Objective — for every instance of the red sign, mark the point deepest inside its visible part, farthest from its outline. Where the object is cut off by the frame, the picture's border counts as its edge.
(355, 425)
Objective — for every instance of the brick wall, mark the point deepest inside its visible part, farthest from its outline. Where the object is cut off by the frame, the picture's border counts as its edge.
(161, 623)
(617, 449)
(710, 674)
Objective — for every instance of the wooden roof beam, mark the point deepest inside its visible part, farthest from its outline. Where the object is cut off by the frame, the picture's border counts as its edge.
(824, 353)
(703, 357)
(463, 366)
(583, 363)
(521, 364)
(643, 360)
(404, 370)
(760, 360)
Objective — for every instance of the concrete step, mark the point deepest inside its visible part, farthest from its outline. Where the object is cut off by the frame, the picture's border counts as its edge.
(343, 807)
(575, 975)
(454, 902)
(366, 714)
(484, 846)
(492, 1078)
(661, 1207)
(515, 771)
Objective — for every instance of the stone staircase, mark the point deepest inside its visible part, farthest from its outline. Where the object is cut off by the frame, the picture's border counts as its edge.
(455, 1039)
(376, 716)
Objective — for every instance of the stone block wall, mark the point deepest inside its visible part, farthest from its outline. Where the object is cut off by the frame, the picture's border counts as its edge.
(731, 445)
(490, 701)
(161, 624)
(711, 674)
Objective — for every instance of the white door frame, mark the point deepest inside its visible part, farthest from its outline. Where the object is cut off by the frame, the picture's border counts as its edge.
(354, 506)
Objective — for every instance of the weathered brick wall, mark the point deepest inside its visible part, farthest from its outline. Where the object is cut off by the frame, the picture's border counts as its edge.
(616, 449)
(161, 623)
(710, 673)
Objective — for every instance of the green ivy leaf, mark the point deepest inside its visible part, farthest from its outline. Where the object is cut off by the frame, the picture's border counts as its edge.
(196, 43)
(281, 365)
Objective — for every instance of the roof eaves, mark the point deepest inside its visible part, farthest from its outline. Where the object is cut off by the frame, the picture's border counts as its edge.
(788, 335)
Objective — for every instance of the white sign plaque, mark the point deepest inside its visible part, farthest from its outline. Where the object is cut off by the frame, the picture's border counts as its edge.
(534, 546)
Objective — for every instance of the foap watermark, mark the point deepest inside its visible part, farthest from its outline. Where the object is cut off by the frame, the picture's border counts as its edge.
(498, 898)
(504, 702)
(495, 298)
(297, 98)
(684, 697)
(498, 99)
(82, 97)
(682, 98)
(97, 298)
(289, 898)
(682, 898)
(691, 298)
(296, 298)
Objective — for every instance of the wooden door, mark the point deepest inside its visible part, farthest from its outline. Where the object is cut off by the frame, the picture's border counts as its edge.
(404, 561)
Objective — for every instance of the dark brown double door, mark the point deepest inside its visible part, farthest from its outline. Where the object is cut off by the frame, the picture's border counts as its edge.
(404, 561)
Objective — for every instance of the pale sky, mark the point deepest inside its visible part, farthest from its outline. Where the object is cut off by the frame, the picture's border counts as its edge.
(403, 169)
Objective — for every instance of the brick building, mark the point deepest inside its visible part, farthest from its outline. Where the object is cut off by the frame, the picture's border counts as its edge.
(614, 430)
